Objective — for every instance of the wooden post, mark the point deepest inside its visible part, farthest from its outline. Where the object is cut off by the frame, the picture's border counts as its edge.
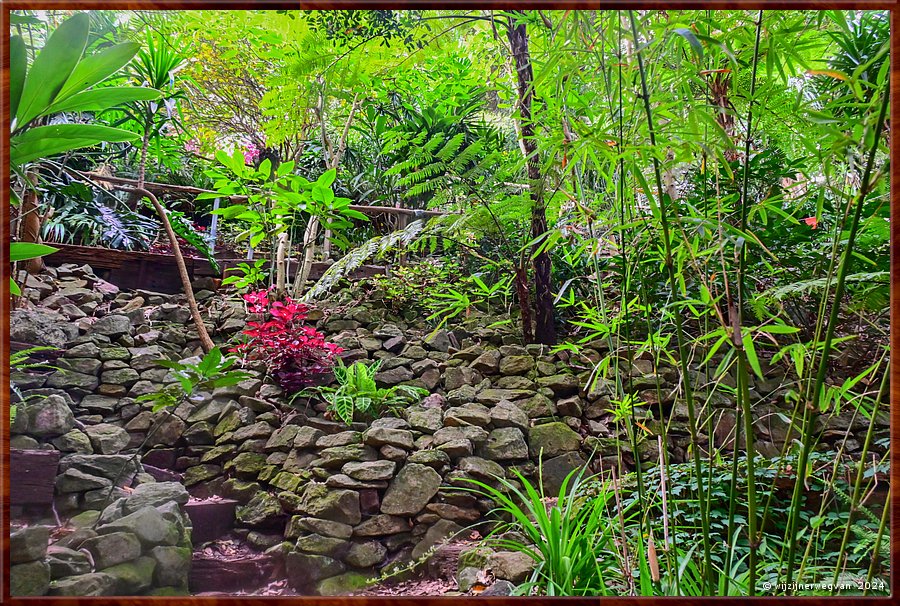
(214, 227)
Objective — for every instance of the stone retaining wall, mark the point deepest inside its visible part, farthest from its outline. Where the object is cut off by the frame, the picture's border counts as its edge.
(337, 503)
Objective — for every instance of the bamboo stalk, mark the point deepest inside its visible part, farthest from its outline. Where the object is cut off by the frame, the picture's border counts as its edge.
(813, 397)
(679, 328)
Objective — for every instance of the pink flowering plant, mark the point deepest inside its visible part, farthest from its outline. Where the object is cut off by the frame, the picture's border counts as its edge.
(295, 353)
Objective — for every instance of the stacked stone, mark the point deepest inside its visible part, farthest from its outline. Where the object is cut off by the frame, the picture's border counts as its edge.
(338, 503)
(138, 545)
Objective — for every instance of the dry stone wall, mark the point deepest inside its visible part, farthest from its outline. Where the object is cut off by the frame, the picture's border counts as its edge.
(336, 504)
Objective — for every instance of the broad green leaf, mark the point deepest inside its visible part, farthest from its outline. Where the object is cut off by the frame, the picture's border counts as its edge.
(24, 20)
(18, 65)
(52, 67)
(44, 141)
(210, 361)
(97, 68)
(103, 98)
(327, 178)
(778, 329)
(14, 288)
(22, 251)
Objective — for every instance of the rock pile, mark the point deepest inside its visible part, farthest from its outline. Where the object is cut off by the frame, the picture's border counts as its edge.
(139, 545)
(337, 503)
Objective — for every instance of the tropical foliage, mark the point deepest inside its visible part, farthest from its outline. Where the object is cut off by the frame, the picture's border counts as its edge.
(700, 196)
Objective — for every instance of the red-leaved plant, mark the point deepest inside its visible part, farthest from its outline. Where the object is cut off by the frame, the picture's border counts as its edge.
(295, 353)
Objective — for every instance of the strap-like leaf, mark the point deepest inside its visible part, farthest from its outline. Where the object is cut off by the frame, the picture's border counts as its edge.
(18, 65)
(44, 141)
(103, 98)
(96, 68)
(22, 251)
(52, 67)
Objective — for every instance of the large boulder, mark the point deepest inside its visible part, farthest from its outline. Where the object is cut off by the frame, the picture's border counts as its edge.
(552, 439)
(262, 509)
(65, 562)
(39, 328)
(48, 417)
(366, 554)
(155, 494)
(516, 365)
(30, 579)
(172, 565)
(339, 505)
(507, 414)
(368, 471)
(147, 524)
(304, 569)
(411, 490)
(107, 438)
(28, 543)
(112, 326)
(133, 578)
(382, 525)
(555, 470)
(504, 444)
(87, 585)
(113, 548)
(513, 566)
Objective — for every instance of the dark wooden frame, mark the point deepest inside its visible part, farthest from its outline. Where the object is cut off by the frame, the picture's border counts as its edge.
(892, 5)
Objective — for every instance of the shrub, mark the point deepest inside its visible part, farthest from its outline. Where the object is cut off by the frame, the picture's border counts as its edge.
(295, 353)
(570, 536)
(357, 394)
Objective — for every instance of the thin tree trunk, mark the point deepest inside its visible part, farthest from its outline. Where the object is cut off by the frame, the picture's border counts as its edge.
(312, 228)
(545, 330)
(524, 303)
(31, 222)
(205, 340)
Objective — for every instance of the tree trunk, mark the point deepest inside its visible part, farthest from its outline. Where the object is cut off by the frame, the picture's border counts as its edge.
(524, 303)
(182, 269)
(545, 330)
(31, 221)
(312, 228)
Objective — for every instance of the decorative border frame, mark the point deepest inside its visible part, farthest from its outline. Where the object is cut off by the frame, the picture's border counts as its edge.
(8, 5)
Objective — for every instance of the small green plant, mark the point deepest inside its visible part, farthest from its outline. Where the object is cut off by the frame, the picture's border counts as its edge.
(358, 396)
(246, 277)
(19, 361)
(474, 292)
(213, 371)
(412, 286)
(570, 535)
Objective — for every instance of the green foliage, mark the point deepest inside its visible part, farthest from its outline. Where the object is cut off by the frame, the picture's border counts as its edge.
(276, 198)
(185, 229)
(60, 80)
(357, 395)
(19, 361)
(22, 251)
(569, 536)
(249, 277)
(376, 247)
(414, 286)
(79, 216)
(212, 371)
